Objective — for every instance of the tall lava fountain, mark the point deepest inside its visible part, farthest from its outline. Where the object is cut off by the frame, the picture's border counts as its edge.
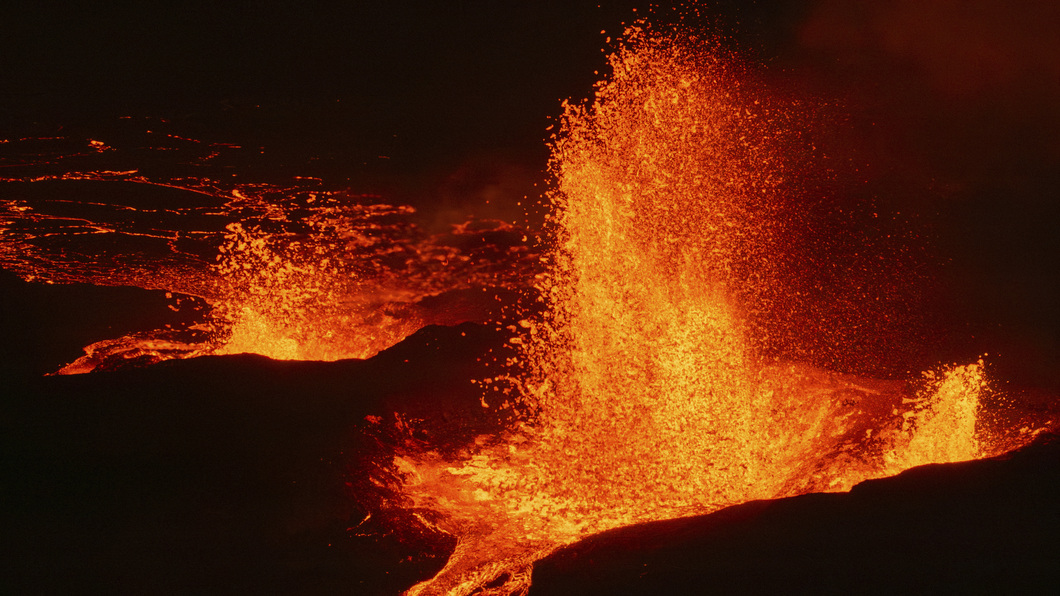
(661, 190)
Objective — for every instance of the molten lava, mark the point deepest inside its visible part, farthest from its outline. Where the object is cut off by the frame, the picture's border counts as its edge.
(290, 272)
(646, 390)
(648, 383)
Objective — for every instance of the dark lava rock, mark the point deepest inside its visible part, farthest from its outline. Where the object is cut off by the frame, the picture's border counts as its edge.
(46, 326)
(229, 474)
(981, 527)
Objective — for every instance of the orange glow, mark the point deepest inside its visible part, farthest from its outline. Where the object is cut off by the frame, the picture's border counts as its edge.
(649, 389)
(941, 427)
(648, 397)
(299, 300)
(301, 273)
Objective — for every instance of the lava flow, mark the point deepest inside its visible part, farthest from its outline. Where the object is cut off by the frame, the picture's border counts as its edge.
(290, 271)
(646, 391)
(654, 377)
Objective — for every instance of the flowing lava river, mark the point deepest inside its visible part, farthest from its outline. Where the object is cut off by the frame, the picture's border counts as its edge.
(651, 371)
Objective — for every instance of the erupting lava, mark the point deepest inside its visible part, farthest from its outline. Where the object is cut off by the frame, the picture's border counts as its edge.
(649, 382)
(645, 390)
(299, 272)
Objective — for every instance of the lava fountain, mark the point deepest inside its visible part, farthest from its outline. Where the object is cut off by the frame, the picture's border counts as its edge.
(655, 376)
(644, 391)
(659, 205)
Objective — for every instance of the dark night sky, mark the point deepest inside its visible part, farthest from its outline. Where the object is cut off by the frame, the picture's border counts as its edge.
(446, 77)
(952, 105)
(973, 84)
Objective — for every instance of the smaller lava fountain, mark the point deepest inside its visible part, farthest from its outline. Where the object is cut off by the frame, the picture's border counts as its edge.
(293, 272)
